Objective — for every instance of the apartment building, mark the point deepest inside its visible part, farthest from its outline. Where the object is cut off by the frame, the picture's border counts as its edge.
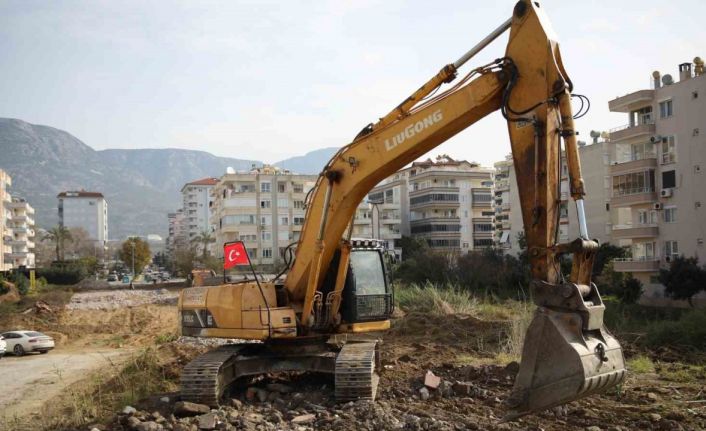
(87, 210)
(6, 234)
(22, 240)
(658, 176)
(197, 200)
(503, 203)
(176, 233)
(389, 210)
(263, 207)
(448, 203)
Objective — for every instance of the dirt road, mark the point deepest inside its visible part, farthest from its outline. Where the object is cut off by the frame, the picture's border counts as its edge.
(32, 380)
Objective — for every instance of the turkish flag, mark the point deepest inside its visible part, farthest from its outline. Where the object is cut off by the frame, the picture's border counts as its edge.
(234, 253)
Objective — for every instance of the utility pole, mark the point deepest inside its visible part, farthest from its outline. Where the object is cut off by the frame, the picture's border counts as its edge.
(132, 242)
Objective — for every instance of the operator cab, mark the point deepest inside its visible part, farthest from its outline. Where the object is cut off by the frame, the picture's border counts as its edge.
(367, 294)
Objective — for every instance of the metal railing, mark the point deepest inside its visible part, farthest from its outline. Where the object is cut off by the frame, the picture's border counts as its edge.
(633, 191)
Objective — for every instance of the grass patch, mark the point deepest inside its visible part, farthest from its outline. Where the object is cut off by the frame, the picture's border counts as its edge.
(429, 298)
(641, 364)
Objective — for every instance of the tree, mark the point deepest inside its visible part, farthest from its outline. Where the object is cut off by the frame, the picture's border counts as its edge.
(606, 253)
(631, 291)
(59, 235)
(81, 244)
(684, 278)
(203, 239)
(183, 260)
(412, 246)
(141, 251)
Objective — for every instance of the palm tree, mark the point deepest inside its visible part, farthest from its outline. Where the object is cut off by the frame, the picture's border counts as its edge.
(204, 239)
(59, 234)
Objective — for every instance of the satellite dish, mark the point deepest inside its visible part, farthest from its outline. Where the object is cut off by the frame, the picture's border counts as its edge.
(595, 134)
(667, 79)
(230, 170)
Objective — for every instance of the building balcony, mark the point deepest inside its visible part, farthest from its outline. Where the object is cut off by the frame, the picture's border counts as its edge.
(639, 264)
(633, 197)
(442, 205)
(433, 189)
(502, 185)
(393, 221)
(631, 131)
(644, 162)
(436, 220)
(476, 204)
(630, 232)
(632, 101)
(482, 235)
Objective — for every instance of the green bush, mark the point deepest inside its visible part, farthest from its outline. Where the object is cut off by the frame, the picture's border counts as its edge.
(3, 289)
(688, 331)
(67, 275)
(631, 291)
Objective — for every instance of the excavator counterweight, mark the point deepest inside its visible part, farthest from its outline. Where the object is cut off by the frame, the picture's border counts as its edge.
(338, 288)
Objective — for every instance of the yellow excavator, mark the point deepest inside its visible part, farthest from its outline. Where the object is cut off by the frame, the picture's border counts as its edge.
(338, 288)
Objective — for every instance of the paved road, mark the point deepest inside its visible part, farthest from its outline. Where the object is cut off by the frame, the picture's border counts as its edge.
(29, 381)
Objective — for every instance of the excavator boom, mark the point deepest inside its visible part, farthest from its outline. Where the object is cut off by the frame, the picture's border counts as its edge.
(338, 286)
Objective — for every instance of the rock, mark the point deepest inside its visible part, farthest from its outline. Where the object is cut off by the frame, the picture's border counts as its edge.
(462, 388)
(652, 397)
(676, 416)
(149, 426)
(654, 417)
(431, 381)
(186, 408)
(424, 394)
(129, 410)
(236, 403)
(133, 422)
(254, 418)
(303, 419)
(262, 395)
(512, 368)
(207, 421)
(446, 388)
(280, 388)
(95, 429)
(181, 427)
(164, 399)
(593, 428)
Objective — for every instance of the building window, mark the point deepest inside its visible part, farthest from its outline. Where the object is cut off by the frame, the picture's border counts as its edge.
(265, 220)
(298, 188)
(671, 249)
(668, 150)
(282, 203)
(665, 109)
(265, 204)
(670, 215)
(266, 235)
(298, 221)
(266, 253)
(281, 187)
(482, 243)
(389, 196)
(265, 187)
(252, 253)
(298, 205)
(284, 221)
(636, 182)
(669, 179)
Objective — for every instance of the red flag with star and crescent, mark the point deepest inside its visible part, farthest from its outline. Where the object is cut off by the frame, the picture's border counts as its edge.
(234, 254)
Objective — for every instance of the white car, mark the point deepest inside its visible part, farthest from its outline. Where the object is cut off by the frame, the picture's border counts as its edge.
(3, 346)
(21, 342)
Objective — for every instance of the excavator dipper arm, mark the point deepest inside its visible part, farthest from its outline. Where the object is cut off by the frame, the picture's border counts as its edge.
(567, 353)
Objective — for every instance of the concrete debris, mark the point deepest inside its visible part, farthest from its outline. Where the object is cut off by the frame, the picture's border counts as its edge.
(424, 394)
(303, 419)
(129, 410)
(431, 380)
(185, 408)
(208, 421)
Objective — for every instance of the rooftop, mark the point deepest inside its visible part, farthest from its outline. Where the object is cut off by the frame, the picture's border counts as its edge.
(79, 194)
(210, 181)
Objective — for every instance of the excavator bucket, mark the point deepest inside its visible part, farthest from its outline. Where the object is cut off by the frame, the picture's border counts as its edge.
(563, 360)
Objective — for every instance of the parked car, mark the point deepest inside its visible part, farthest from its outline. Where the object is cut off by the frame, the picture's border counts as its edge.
(21, 342)
(3, 346)
(112, 277)
(165, 276)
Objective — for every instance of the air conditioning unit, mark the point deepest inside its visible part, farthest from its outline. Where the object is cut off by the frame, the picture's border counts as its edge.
(655, 139)
(657, 206)
(666, 193)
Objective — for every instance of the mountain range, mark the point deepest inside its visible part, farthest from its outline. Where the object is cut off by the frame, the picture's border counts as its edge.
(140, 185)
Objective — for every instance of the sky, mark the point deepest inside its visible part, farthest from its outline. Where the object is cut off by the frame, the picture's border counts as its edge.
(267, 80)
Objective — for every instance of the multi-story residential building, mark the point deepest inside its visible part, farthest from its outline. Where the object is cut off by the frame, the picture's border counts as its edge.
(6, 234)
(197, 200)
(22, 225)
(176, 237)
(389, 210)
(264, 208)
(657, 176)
(363, 221)
(446, 202)
(503, 203)
(87, 210)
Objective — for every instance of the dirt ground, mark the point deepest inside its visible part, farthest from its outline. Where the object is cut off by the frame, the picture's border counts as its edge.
(456, 348)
